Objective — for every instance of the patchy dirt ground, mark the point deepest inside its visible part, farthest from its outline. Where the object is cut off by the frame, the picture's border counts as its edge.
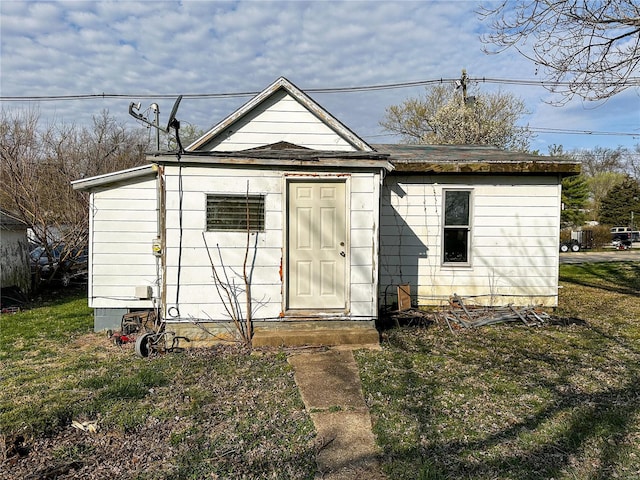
(224, 413)
(159, 448)
(75, 454)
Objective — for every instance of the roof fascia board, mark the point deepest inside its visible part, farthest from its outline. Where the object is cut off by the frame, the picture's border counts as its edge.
(481, 167)
(241, 161)
(113, 177)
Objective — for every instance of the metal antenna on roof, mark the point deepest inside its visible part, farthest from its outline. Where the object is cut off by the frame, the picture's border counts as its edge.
(134, 111)
(175, 123)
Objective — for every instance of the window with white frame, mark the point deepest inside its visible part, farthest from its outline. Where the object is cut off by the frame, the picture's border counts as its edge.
(456, 238)
(235, 213)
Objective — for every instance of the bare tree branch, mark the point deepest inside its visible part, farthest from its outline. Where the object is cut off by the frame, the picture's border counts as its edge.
(586, 48)
(38, 164)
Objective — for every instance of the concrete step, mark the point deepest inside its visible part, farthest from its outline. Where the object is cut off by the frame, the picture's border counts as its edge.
(316, 333)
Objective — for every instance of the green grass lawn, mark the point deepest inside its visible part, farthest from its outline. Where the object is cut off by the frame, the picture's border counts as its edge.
(210, 413)
(502, 402)
(511, 402)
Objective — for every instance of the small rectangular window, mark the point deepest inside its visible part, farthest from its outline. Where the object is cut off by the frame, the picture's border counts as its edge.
(457, 226)
(235, 213)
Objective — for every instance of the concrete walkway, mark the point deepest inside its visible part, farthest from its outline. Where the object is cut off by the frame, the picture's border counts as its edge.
(330, 387)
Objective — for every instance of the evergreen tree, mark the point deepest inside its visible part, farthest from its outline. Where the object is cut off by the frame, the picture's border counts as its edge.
(617, 205)
(575, 193)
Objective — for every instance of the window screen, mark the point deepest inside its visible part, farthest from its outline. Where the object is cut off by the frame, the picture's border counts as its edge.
(231, 213)
(457, 225)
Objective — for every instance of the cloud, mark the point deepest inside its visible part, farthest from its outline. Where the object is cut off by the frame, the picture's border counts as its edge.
(170, 48)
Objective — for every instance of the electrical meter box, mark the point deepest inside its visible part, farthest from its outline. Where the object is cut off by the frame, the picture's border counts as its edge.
(157, 247)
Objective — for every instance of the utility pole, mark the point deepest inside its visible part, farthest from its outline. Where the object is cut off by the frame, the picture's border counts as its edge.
(466, 100)
(463, 84)
(156, 109)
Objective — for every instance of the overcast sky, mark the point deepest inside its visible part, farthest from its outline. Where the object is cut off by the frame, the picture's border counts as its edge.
(146, 50)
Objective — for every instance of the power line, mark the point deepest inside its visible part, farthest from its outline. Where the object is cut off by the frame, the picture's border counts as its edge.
(559, 131)
(566, 131)
(93, 96)
(632, 81)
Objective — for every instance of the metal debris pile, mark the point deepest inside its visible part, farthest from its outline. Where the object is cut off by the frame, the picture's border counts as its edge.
(412, 317)
(459, 315)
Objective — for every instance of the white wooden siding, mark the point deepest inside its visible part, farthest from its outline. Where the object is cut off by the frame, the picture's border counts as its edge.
(198, 296)
(514, 239)
(123, 225)
(280, 118)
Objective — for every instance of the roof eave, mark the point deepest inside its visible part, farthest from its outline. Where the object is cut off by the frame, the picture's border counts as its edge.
(87, 184)
(325, 160)
(484, 167)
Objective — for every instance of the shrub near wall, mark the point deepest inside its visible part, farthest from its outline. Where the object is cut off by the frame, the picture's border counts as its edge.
(601, 235)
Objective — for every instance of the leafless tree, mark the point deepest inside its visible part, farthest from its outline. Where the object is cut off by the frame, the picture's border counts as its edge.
(39, 162)
(600, 160)
(632, 162)
(588, 48)
(108, 147)
(27, 188)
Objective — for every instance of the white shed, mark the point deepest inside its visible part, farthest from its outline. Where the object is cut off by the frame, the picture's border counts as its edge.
(283, 214)
(14, 253)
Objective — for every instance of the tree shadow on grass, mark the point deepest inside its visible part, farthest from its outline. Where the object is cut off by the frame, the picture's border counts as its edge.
(599, 275)
(577, 431)
(590, 418)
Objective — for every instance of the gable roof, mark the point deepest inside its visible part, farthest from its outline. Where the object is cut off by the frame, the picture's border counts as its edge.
(277, 91)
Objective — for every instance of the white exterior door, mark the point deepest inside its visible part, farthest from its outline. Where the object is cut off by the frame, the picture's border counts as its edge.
(317, 241)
